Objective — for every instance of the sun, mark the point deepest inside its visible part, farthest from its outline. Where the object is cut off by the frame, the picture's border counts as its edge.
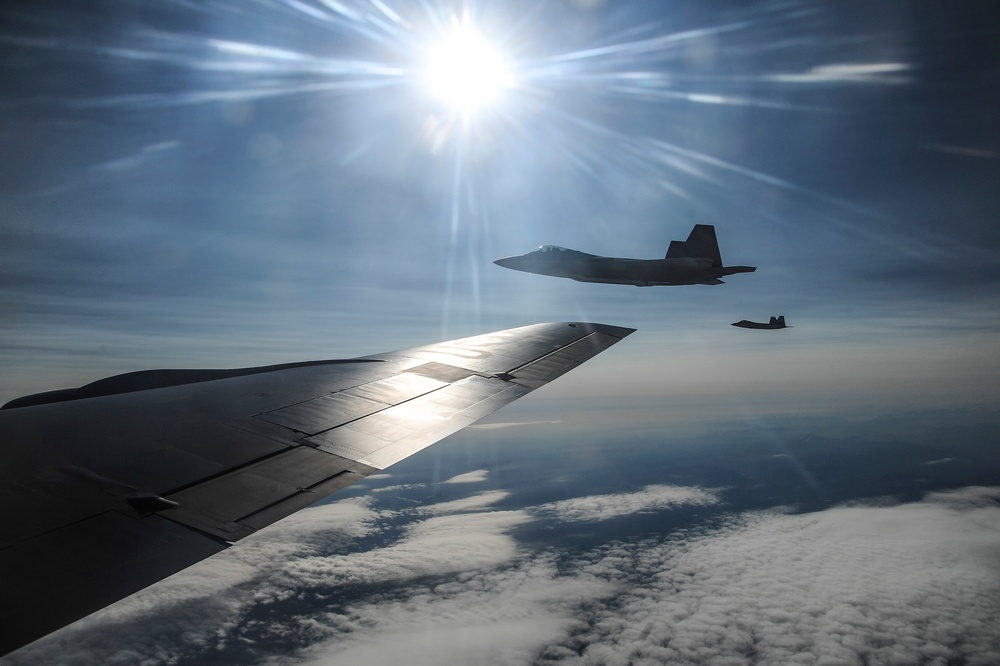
(465, 72)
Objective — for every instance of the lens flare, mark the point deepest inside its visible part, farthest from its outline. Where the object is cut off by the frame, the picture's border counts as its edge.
(465, 72)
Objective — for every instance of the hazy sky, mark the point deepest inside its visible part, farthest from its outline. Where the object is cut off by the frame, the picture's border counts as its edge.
(234, 183)
(225, 183)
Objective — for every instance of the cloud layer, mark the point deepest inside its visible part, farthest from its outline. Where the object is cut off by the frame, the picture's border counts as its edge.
(916, 583)
(912, 583)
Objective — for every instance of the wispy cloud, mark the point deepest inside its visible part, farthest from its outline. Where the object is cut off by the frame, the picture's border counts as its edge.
(440, 545)
(136, 160)
(874, 72)
(474, 503)
(398, 487)
(964, 151)
(606, 507)
(470, 477)
(497, 617)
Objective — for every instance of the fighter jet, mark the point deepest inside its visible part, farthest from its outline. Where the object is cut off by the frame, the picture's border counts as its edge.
(775, 323)
(694, 261)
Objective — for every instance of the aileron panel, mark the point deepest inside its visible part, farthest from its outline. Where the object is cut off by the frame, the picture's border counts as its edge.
(218, 505)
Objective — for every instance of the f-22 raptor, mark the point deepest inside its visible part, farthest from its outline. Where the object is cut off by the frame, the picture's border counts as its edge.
(776, 322)
(694, 261)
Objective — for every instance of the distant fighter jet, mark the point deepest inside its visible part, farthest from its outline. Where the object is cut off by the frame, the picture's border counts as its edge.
(776, 322)
(694, 261)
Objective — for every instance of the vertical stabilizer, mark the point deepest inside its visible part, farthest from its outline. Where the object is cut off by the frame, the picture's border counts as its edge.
(781, 320)
(700, 244)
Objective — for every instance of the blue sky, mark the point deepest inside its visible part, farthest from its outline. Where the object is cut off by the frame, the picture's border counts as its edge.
(232, 183)
(229, 184)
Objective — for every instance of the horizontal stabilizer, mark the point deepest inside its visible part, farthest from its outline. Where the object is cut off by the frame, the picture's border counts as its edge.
(700, 244)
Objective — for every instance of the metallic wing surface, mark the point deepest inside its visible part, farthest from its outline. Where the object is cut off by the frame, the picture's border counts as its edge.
(111, 487)
(694, 261)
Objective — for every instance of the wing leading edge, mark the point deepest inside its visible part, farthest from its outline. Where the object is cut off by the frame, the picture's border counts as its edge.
(105, 495)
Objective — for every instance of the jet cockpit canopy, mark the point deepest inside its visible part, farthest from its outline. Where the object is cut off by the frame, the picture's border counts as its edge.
(550, 248)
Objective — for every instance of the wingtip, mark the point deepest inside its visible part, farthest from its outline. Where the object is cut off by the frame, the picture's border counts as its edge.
(609, 329)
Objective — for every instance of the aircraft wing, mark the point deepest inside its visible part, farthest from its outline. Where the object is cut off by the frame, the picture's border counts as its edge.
(107, 494)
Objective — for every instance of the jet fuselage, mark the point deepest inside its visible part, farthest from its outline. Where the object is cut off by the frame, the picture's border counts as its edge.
(774, 324)
(584, 267)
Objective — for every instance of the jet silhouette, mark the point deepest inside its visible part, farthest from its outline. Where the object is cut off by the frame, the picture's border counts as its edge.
(776, 322)
(694, 261)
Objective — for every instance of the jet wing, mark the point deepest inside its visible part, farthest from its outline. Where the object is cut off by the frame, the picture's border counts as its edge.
(107, 494)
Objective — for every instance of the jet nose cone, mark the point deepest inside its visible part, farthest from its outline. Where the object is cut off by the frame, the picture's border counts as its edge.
(504, 262)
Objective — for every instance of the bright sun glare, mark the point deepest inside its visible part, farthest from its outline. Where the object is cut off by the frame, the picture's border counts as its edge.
(464, 71)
